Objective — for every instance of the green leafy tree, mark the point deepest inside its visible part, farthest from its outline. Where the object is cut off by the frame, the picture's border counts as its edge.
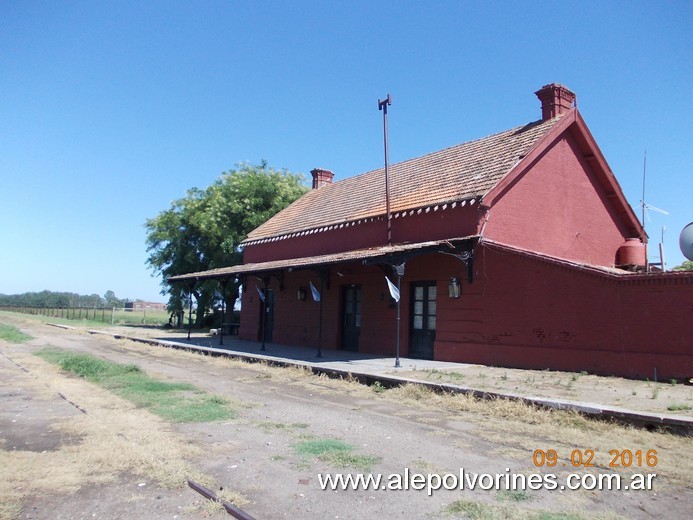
(111, 300)
(204, 230)
(687, 265)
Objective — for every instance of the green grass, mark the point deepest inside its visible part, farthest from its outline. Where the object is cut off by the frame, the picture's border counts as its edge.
(12, 334)
(472, 510)
(322, 446)
(137, 317)
(518, 495)
(676, 407)
(343, 459)
(481, 511)
(440, 375)
(269, 426)
(95, 319)
(378, 387)
(175, 402)
(335, 453)
(83, 322)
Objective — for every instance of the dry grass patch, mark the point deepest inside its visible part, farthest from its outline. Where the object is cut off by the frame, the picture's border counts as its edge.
(10, 504)
(423, 466)
(116, 438)
(615, 391)
(270, 426)
(475, 510)
(208, 507)
(536, 428)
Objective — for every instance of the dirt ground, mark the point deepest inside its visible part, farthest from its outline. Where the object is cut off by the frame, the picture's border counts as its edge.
(69, 449)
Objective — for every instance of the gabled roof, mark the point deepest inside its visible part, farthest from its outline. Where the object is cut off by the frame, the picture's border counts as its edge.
(572, 120)
(458, 173)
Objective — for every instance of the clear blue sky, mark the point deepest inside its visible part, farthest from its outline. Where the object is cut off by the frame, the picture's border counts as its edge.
(111, 110)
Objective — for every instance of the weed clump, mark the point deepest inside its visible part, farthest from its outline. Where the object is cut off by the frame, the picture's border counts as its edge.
(336, 453)
(176, 402)
(12, 334)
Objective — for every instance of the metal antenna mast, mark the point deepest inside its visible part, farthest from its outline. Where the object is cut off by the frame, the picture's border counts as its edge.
(382, 105)
(642, 202)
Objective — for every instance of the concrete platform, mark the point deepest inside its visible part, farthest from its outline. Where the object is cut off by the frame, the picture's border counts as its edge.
(372, 368)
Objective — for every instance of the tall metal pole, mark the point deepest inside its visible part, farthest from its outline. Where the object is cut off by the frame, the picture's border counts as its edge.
(644, 207)
(264, 314)
(191, 288)
(320, 317)
(382, 105)
(399, 269)
(644, 171)
(223, 309)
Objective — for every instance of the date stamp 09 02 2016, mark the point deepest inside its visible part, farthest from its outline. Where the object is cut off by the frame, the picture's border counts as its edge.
(586, 458)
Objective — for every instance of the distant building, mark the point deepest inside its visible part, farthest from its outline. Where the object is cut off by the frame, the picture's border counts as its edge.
(140, 306)
(517, 250)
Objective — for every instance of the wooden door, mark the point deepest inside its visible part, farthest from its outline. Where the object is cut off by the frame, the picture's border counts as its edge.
(351, 317)
(422, 325)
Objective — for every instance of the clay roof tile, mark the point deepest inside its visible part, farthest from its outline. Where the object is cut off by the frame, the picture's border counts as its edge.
(461, 172)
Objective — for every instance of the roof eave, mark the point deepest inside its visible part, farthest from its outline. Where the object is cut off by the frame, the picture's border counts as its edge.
(460, 201)
(372, 255)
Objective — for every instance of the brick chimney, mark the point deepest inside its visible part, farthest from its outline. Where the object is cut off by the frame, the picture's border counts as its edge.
(321, 177)
(555, 99)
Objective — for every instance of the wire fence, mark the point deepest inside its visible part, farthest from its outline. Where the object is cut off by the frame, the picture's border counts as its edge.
(111, 315)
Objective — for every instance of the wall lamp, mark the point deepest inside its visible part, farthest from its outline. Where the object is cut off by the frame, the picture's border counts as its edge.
(454, 288)
(301, 293)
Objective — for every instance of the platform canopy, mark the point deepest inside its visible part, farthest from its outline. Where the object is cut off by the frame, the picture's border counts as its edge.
(392, 255)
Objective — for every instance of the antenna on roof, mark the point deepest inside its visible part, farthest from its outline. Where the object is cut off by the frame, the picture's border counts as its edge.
(382, 105)
(644, 205)
(646, 208)
(642, 201)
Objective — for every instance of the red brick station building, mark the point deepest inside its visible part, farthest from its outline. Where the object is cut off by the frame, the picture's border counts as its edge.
(515, 250)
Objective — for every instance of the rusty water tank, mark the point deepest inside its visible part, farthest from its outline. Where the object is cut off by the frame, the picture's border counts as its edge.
(631, 254)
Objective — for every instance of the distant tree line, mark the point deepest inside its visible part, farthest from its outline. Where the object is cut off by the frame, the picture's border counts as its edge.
(61, 299)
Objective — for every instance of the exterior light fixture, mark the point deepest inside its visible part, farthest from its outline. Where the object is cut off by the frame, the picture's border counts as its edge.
(301, 293)
(454, 288)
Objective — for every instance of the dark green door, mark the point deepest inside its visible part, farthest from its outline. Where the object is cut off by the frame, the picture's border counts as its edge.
(422, 328)
(351, 317)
